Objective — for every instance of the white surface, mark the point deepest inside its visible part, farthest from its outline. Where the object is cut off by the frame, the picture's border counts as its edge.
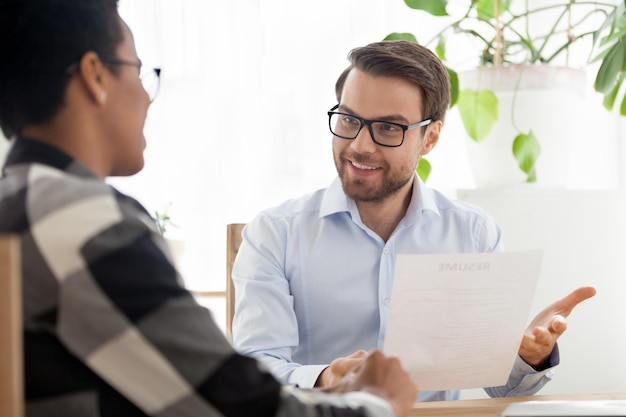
(590, 408)
(583, 235)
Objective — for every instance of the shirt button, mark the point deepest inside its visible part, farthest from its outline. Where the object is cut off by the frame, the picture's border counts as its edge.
(386, 301)
(385, 251)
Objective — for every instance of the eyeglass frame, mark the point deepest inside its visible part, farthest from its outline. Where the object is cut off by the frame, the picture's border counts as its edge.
(368, 123)
(137, 64)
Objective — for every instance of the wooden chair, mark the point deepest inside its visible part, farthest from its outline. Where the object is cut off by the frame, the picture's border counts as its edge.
(233, 241)
(11, 343)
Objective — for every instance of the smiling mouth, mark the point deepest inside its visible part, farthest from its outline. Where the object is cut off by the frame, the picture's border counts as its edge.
(361, 166)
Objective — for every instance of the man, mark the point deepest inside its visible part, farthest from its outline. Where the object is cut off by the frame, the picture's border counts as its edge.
(109, 330)
(313, 276)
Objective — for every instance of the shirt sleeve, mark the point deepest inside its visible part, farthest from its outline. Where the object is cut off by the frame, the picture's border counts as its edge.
(365, 404)
(524, 380)
(125, 314)
(265, 325)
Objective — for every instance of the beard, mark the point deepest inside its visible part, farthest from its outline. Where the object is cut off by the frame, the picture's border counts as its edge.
(363, 189)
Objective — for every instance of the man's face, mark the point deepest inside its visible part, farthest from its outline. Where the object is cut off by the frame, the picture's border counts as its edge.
(368, 171)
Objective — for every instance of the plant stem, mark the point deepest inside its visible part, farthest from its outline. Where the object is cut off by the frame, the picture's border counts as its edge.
(498, 55)
(495, 47)
(538, 52)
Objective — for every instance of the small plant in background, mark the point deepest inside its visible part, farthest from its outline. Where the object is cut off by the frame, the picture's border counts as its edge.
(164, 224)
(163, 220)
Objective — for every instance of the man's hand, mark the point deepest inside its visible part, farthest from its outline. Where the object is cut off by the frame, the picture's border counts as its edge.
(542, 333)
(379, 375)
(339, 368)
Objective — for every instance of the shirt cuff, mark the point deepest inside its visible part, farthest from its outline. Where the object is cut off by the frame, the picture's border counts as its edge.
(361, 403)
(553, 360)
(306, 375)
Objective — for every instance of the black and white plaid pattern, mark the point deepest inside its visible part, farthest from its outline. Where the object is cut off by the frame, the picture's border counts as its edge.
(109, 329)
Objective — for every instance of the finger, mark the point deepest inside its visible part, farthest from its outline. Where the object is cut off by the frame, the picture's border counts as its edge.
(567, 304)
(375, 356)
(558, 325)
(528, 340)
(541, 335)
(342, 366)
(359, 354)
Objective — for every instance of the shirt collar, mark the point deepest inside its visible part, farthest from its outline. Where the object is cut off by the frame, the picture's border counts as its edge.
(425, 201)
(336, 201)
(28, 151)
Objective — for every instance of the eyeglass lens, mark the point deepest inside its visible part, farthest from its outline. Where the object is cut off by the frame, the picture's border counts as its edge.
(348, 127)
(150, 80)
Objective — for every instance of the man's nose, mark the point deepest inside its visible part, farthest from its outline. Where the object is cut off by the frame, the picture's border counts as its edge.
(364, 143)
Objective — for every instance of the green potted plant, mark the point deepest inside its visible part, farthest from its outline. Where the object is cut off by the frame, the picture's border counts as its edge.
(507, 35)
(164, 224)
(163, 220)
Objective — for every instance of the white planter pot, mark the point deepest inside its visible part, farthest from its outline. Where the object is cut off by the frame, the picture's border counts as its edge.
(177, 249)
(547, 99)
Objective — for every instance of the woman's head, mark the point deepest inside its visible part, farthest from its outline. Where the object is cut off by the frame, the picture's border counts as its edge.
(40, 41)
(70, 77)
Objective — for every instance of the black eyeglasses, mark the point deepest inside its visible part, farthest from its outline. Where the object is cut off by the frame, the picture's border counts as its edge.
(150, 77)
(383, 133)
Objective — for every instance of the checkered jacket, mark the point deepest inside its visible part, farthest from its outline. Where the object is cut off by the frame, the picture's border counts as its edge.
(109, 329)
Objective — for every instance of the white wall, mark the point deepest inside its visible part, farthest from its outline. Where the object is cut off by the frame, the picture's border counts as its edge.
(583, 236)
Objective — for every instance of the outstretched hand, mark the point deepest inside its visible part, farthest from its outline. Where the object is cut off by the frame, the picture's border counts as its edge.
(542, 333)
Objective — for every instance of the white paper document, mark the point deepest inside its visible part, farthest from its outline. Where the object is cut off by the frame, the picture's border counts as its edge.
(456, 320)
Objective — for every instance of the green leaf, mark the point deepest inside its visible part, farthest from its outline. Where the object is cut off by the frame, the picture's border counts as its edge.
(423, 169)
(486, 9)
(440, 49)
(434, 7)
(479, 111)
(616, 25)
(609, 99)
(526, 149)
(611, 96)
(611, 66)
(622, 108)
(398, 36)
(454, 86)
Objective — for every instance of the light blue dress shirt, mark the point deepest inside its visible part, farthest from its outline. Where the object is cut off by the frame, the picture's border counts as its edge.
(313, 283)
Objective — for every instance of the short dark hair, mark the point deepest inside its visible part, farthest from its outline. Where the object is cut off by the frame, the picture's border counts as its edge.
(39, 40)
(409, 61)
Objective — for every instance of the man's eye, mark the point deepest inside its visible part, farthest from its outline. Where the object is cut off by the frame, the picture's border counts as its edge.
(349, 120)
(388, 127)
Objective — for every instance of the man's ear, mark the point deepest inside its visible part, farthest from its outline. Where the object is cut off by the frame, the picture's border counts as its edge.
(94, 76)
(431, 137)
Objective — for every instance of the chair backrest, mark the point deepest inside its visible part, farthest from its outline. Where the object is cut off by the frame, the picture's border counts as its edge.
(11, 343)
(233, 241)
